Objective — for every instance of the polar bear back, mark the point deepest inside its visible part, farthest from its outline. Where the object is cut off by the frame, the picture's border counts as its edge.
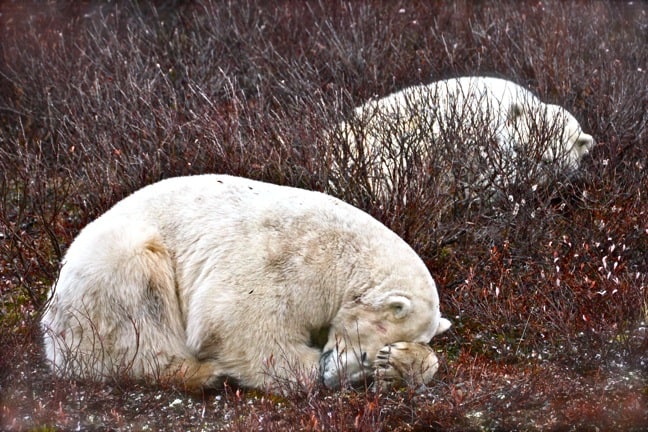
(465, 105)
(214, 209)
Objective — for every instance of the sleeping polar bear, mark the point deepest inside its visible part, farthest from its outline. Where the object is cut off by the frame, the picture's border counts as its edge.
(203, 278)
(481, 134)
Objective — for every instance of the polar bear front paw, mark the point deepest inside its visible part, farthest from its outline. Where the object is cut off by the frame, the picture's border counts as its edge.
(405, 363)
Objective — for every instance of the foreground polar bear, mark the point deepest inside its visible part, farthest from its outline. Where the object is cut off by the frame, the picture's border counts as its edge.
(202, 278)
(479, 130)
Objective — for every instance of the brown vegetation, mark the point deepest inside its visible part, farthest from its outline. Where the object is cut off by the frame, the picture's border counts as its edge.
(547, 290)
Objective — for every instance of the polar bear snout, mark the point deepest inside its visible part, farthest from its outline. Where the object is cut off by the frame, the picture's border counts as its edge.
(337, 370)
(328, 371)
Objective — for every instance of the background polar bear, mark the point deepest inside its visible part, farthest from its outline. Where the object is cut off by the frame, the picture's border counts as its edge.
(481, 134)
(206, 277)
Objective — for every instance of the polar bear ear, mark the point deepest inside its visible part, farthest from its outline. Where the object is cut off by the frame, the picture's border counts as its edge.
(400, 306)
(444, 324)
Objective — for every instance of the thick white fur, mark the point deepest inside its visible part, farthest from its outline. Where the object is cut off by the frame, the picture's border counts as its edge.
(207, 277)
(472, 113)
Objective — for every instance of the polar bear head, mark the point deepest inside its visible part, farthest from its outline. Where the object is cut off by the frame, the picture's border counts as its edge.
(549, 129)
(398, 302)
(571, 144)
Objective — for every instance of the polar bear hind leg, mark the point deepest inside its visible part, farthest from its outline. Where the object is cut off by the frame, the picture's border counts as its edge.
(115, 311)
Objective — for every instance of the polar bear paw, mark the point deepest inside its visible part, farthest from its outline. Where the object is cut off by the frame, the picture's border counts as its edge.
(404, 363)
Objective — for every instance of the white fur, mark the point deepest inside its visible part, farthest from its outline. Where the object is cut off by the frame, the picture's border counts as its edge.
(206, 277)
(460, 119)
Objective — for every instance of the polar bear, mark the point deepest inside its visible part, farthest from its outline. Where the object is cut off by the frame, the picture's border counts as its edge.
(481, 132)
(202, 278)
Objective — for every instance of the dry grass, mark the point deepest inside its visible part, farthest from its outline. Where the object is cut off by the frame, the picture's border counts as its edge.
(547, 293)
